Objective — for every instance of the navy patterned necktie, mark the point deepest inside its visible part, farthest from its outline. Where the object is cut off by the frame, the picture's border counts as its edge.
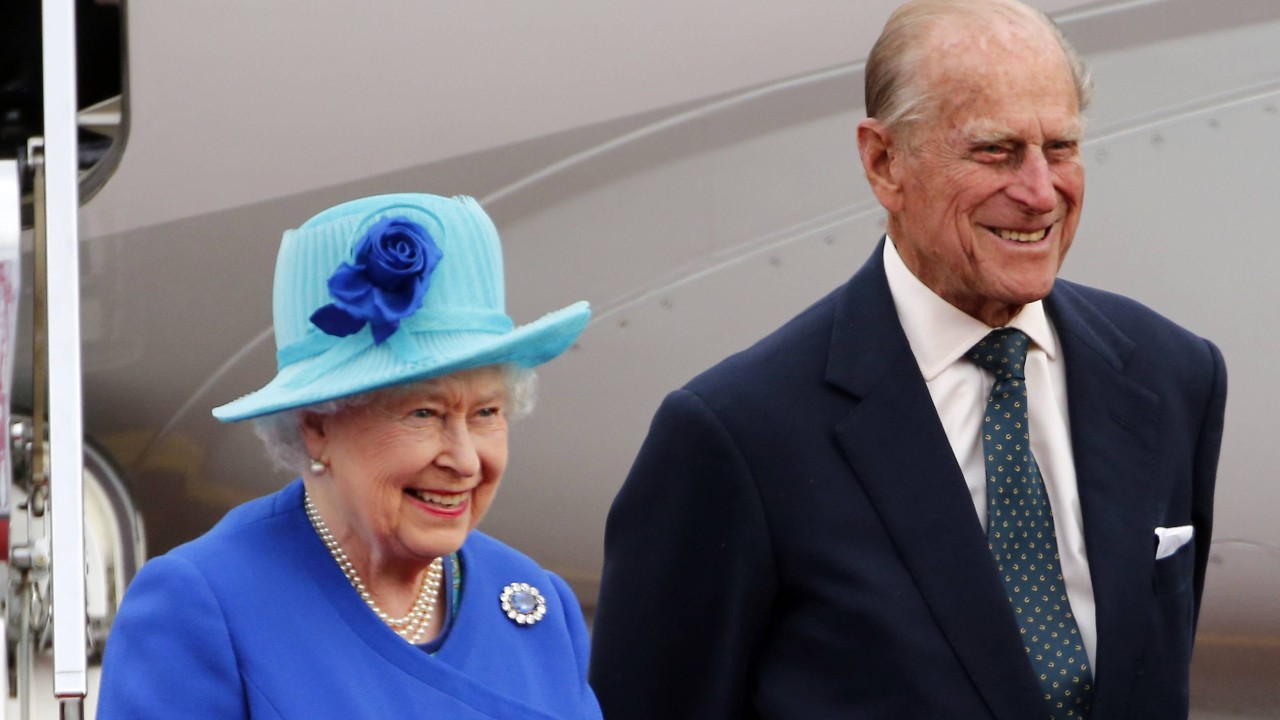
(1020, 532)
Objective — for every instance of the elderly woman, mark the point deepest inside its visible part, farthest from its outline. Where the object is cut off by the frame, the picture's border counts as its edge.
(362, 589)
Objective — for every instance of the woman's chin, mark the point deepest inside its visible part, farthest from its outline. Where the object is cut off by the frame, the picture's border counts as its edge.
(429, 544)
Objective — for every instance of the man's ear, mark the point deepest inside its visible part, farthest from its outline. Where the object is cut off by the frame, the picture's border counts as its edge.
(881, 160)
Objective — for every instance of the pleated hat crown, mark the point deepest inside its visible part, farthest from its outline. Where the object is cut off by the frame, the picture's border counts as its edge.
(390, 289)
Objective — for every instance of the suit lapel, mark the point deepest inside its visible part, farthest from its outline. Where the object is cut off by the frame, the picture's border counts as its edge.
(900, 454)
(1114, 445)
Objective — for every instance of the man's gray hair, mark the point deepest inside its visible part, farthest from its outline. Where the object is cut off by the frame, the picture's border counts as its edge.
(281, 432)
(895, 92)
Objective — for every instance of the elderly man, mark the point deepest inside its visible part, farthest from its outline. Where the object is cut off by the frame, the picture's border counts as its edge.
(956, 487)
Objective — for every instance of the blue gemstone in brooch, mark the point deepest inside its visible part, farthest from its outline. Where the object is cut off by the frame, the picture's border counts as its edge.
(523, 603)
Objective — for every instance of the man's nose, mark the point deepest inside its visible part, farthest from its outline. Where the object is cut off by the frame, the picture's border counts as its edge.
(1033, 187)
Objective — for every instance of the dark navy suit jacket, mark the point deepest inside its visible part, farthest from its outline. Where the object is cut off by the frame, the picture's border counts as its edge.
(796, 539)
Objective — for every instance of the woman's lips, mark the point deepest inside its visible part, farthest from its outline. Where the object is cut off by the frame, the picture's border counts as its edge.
(447, 504)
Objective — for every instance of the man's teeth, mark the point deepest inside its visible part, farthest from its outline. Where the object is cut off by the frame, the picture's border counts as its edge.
(447, 501)
(1023, 237)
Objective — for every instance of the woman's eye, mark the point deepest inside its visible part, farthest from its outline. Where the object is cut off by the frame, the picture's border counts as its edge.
(489, 412)
(423, 414)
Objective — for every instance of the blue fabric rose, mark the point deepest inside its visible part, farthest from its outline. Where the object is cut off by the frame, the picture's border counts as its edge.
(385, 284)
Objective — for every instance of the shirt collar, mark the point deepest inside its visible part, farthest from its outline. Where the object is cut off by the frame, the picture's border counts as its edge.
(940, 333)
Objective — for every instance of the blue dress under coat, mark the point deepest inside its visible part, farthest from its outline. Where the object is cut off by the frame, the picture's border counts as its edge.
(255, 620)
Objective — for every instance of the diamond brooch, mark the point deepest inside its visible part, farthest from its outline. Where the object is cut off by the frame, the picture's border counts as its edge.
(523, 603)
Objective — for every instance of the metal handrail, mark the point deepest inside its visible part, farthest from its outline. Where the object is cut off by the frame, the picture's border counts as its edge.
(61, 216)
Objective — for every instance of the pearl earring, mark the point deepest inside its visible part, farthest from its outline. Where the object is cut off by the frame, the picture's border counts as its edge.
(317, 467)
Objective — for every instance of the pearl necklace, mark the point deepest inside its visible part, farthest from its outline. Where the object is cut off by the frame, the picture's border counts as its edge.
(412, 627)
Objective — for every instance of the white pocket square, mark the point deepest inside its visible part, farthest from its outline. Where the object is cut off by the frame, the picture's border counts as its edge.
(1170, 539)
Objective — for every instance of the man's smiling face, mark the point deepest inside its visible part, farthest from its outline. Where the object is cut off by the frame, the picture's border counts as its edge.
(992, 183)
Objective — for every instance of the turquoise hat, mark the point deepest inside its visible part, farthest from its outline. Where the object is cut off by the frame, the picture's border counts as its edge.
(389, 289)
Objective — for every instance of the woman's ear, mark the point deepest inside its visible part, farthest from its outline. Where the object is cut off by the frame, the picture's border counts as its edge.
(880, 155)
(314, 434)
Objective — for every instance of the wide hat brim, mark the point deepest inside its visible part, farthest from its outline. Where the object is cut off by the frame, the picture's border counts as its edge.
(433, 354)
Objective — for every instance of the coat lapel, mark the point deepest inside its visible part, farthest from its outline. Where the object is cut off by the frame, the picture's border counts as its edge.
(1113, 421)
(899, 453)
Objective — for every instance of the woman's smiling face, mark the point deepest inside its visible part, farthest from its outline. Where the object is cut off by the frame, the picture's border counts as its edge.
(413, 471)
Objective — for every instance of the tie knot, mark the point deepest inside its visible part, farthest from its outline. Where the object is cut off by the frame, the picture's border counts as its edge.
(1003, 352)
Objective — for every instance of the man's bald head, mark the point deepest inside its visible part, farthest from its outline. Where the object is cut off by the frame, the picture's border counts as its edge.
(897, 86)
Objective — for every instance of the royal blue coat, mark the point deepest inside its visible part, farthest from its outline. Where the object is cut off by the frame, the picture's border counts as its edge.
(256, 620)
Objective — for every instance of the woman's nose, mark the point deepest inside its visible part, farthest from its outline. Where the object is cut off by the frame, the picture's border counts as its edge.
(458, 452)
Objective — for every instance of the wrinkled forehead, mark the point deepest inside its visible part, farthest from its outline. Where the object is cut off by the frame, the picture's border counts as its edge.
(486, 382)
(976, 77)
(1062, 127)
(980, 47)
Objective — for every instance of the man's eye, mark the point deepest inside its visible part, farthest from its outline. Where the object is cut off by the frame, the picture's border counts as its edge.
(991, 153)
(1065, 147)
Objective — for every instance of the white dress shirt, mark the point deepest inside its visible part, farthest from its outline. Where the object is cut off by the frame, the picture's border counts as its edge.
(940, 336)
